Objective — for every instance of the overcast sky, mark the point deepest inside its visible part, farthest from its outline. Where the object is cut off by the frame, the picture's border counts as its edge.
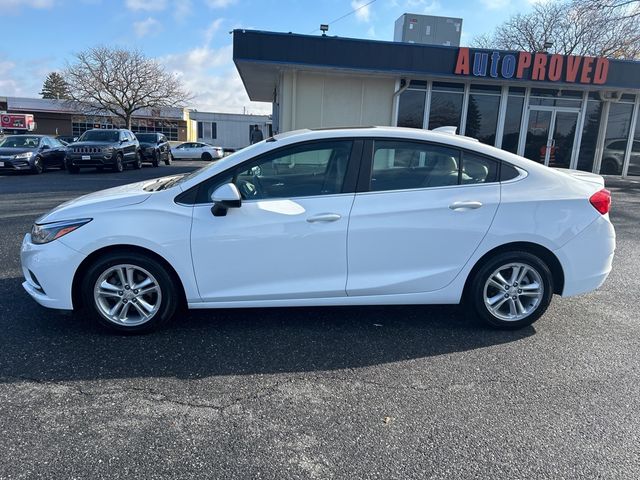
(191, 37)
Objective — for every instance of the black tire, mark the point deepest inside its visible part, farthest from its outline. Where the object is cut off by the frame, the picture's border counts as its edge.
(118, 166)
(476, 291)
(169, 159)
(73, 169)
(156, 159)
(38, 166)
(168, 301)
(63, 165)
(137, 164)
(610, 167)
(206, 156)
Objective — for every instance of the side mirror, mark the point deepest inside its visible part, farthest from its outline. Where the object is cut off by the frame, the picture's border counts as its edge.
(44, 147)
(225, 197)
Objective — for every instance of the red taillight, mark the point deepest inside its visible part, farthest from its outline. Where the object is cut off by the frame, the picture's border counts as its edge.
(601, 201)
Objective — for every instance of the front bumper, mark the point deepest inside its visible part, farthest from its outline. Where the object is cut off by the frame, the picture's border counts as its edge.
(94, 160)
(587, 258)
(48, 271)
(14, 165)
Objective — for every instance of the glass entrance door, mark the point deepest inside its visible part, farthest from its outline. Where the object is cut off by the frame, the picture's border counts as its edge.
(551, 134)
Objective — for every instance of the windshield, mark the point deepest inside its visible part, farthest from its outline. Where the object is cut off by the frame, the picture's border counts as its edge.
(100, 136)
(20, 141)
(146, 137)
(223, 162)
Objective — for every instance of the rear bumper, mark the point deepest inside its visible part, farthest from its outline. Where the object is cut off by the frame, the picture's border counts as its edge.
(587, 258)
(48, 271)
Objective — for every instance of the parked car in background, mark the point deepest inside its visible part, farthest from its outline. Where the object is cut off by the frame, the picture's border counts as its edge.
(154, 148)
(613, 157)
(194, 150)
(99, 148)
(365, 216)
(33, 153)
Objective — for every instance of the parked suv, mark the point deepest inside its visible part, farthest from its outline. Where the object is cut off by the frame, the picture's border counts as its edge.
(154, 148)
(613, 157)
(104, 148)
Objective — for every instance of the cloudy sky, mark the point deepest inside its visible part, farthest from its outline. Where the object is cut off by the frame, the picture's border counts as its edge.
(191, 37)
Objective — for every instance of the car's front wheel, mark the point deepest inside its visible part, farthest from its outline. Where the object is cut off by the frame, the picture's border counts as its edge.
(137, 164)
(38, 165)
(129, 293)
(118, 165)
(511, 290)
(169, 159)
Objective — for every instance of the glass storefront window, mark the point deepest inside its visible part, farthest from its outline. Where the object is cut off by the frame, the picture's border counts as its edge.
(445, 110)
(482, 117)
(634, 161)
(411, 109)
(513, 117)
(616, 138)
(589, 140)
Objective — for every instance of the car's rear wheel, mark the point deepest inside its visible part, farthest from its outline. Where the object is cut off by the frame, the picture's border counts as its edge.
(511, 290)
(129, 293)
(206, 156)
(118, 166)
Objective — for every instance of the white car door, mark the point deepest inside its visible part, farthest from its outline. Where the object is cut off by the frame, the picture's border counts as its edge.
(421, 219)
(288, 239)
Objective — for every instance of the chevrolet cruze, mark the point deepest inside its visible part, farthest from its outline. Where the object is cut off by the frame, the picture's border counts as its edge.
(361, 216)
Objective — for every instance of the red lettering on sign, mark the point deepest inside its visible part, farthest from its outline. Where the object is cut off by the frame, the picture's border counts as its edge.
(587, 67)
(573, 65)
(601, 71)
(524, 61)
(539, 64)
(554, 72)
(462, 64)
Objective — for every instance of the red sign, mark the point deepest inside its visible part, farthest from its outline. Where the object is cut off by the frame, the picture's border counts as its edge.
(532, 66)
(17, 121)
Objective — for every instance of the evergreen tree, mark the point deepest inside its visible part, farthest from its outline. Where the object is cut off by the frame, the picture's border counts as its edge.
(55, 87)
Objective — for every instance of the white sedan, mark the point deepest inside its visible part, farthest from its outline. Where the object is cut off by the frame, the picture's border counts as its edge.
(195, 150)
(335, 217)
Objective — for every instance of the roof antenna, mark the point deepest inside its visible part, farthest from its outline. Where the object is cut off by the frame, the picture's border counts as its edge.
(324, 28)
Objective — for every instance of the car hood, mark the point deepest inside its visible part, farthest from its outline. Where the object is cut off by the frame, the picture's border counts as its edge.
(8, 151)
(89, 205)
(92, 144)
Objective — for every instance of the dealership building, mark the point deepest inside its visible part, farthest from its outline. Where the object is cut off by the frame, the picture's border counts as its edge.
(563, 111)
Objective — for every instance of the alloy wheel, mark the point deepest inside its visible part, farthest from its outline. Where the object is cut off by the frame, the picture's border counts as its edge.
(127, 295)
(513, 291)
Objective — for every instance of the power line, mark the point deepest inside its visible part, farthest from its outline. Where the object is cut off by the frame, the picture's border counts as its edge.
(346, 15)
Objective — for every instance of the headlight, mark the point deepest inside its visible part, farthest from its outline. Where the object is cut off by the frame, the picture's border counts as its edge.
(48, 232)
(24, 155)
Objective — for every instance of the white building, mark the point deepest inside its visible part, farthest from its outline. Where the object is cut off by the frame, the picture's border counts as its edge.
(228, 130)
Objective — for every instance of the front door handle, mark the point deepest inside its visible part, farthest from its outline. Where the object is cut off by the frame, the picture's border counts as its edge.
(324, 217)
(465, 205)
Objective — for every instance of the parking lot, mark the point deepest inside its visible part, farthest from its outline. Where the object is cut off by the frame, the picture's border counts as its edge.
(358, 392)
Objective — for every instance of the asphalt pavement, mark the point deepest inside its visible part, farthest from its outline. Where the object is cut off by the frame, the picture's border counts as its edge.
(319, 393)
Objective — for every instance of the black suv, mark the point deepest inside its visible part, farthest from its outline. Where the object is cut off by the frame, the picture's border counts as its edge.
(100, 148)
(155, 148)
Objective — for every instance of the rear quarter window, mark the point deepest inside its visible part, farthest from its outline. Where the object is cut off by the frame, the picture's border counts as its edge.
(508, 172)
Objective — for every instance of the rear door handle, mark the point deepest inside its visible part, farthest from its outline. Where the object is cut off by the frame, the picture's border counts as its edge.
(465, 205)
(324, 217)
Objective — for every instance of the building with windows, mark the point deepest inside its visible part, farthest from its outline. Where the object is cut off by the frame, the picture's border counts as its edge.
(563, 111)
(229, 130)
(61, 117)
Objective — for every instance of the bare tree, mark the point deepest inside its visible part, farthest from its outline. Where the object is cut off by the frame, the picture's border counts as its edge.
(121, 82)
(604, 28)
